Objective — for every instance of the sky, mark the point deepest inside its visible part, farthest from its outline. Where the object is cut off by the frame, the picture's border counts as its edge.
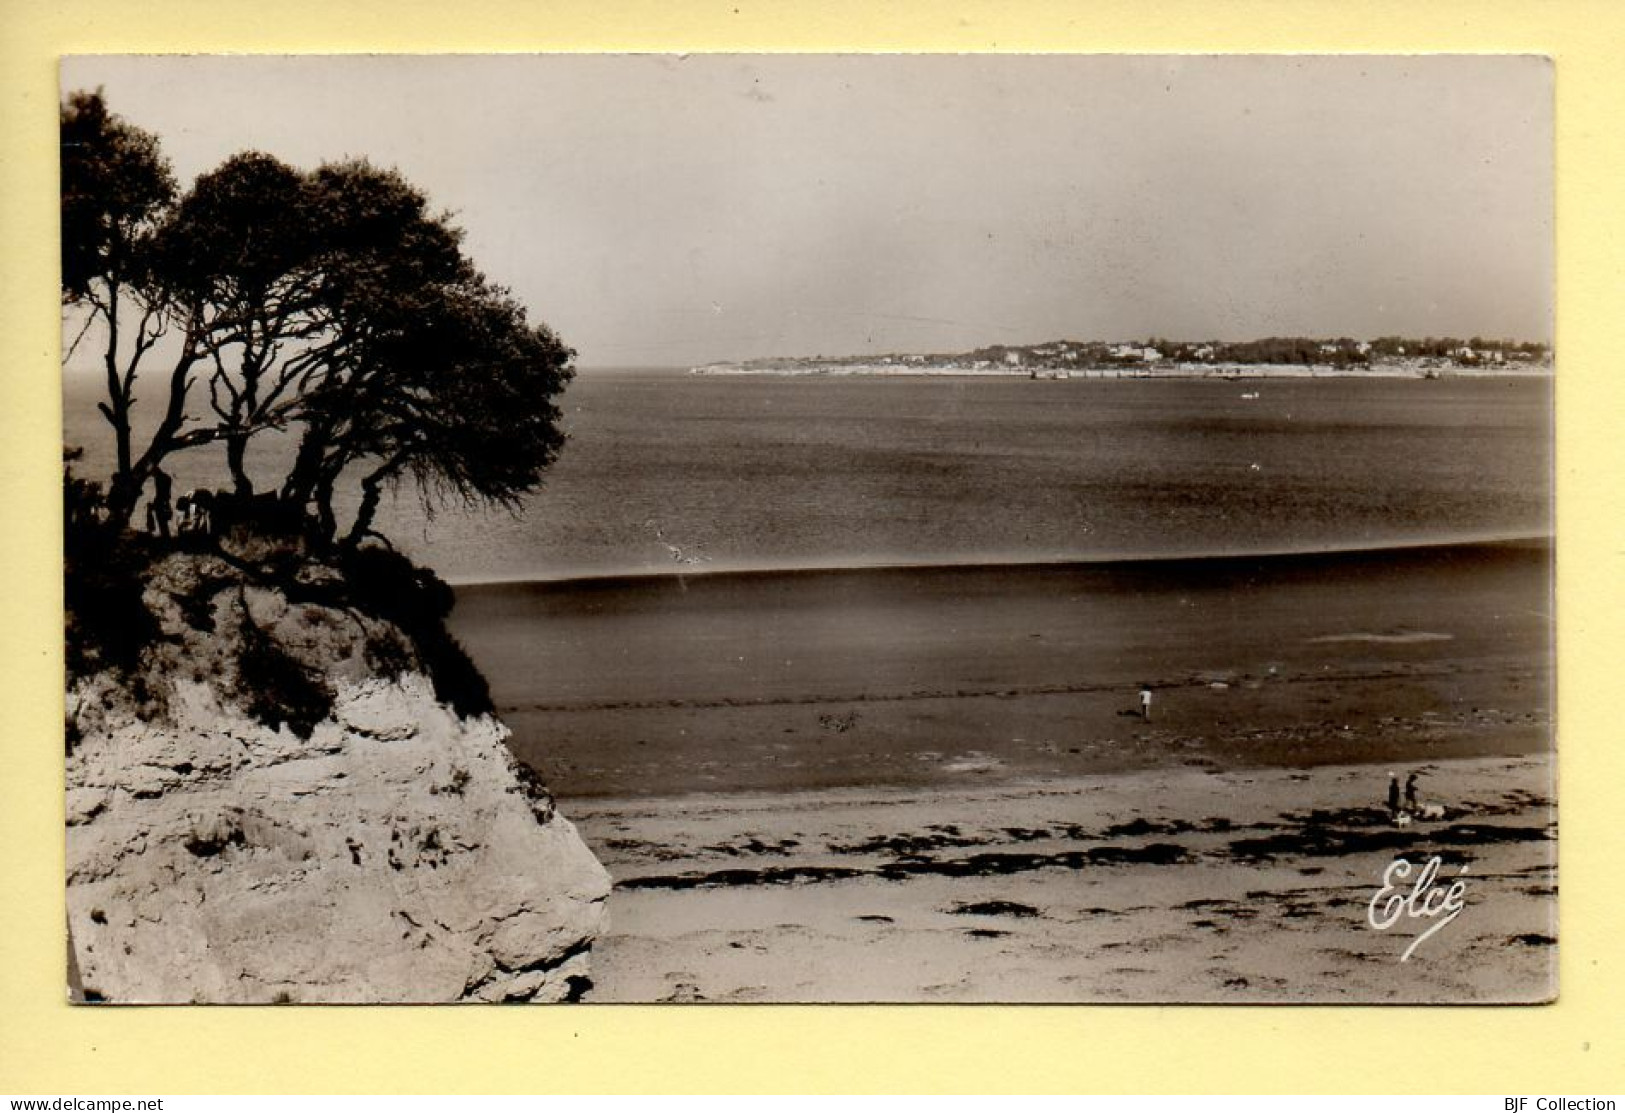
(678, 210)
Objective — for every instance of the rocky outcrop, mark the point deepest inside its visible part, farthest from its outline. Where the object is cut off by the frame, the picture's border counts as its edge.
(392, 851)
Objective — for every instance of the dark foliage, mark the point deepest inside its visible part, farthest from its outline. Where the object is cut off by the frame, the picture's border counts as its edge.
(108, 624)
(115, 182)
(276, 687)
(197, 606)
(386, 585)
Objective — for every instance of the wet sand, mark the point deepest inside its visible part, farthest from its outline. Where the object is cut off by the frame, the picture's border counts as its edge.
(927, 784)
(796, 680)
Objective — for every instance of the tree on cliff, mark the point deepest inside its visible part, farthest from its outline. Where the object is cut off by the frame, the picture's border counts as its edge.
(333, 305)
(239, 259)
(117, 189)
(454, 394)
(427, 371)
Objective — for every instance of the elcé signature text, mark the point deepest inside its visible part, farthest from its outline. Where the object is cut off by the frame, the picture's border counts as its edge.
(1426, 898)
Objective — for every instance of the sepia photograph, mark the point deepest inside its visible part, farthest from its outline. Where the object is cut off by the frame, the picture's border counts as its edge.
(887, 528)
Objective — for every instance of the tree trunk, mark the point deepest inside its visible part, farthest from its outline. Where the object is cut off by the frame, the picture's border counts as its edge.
(306, 473)
(372, 490)
(117, 407)
(236, 450)
(243, 415)
(123, 495)
(117, 412)
(324, 508)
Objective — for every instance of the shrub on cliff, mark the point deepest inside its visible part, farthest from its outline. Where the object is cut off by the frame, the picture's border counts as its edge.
(108, 625)
(277, 687)
(387, 585)
(142, 612)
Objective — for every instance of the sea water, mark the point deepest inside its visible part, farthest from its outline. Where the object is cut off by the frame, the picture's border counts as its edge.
(670, 472)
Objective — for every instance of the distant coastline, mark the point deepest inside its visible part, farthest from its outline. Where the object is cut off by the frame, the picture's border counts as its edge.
(1275, 358)
(1238, 371)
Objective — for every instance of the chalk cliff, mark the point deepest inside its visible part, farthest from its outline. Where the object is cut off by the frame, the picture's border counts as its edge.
(276, 805)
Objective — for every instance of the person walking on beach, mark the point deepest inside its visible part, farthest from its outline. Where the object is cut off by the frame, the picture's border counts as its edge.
(1410, 793)
(1145, 704)
(1393, 795)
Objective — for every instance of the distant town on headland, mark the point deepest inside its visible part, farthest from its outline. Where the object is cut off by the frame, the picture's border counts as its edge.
(1432, 357)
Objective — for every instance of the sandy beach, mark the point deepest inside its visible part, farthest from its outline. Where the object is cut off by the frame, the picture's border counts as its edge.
(1169, 885)
(935, 784)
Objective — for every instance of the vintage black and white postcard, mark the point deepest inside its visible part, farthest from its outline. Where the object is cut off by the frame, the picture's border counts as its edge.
(879, 528)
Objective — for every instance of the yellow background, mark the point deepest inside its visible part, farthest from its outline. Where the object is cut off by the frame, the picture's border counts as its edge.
(1575, 1046)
